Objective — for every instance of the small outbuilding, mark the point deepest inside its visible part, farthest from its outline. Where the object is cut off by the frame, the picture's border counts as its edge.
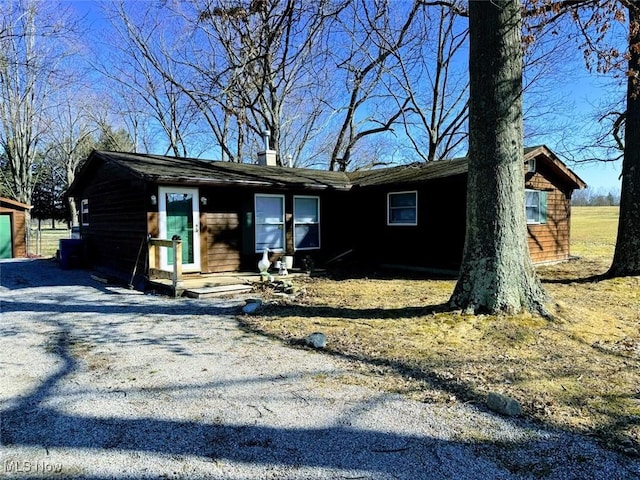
(13, 228)
(227, 214)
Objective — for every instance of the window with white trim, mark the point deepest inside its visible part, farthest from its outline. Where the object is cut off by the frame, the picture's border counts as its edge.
(306, 222)
(269, 222)
(402, 208)
(84, 211)
(536, 206)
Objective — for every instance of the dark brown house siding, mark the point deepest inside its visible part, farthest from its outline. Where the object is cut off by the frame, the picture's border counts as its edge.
(436, 241)
(230, 227)
(353, 210)
(117, 218)
(549, 241)
(220, 232)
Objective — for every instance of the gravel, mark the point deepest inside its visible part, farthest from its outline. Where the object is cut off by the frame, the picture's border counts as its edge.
(103, 382)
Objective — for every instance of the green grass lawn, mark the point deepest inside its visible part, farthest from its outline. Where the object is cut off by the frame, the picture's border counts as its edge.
(46, 242)
(593, 231)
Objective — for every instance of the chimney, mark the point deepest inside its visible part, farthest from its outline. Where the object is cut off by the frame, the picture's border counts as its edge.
(268, 156)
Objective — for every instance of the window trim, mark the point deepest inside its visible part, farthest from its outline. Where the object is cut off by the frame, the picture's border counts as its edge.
(317, 199)
(281, 223)
(542, 207)
(84, 210)
(401, 224)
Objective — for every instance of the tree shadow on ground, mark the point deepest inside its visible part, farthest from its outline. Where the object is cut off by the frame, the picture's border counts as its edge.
(31, 421)
(569, 281)
(352, 313)
(17, 274)
(451, 384)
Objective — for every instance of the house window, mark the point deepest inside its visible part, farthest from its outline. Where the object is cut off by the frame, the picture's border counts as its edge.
(84, 211)
(402, 208)
(306, 223)
(269, 222)
(536, 206)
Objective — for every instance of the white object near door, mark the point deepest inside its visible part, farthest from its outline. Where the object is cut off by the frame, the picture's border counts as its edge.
(288, 261)
(264, 263)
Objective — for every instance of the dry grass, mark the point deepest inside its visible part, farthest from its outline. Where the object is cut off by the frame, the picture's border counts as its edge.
(580, 371)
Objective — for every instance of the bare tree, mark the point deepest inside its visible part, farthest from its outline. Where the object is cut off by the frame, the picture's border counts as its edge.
(438, 84)
(367, 37)
(436, 119)
(70, 139)
(148, 96)
(626, 259)
(497, 274)
(596, 20)
(245, 67)
(271, 51)
(31, 60)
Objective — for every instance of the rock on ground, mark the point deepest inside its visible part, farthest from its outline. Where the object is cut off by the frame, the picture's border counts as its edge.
(99, 382)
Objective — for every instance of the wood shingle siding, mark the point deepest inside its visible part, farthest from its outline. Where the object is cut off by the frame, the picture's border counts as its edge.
(436, 241)
(550, 241)
(117, 219)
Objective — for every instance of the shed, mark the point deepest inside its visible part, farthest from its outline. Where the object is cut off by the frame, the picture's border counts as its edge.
(13, 228)
(227, 213)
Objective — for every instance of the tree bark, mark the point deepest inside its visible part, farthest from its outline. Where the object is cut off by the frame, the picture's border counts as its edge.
(497, 274)
(626, 258)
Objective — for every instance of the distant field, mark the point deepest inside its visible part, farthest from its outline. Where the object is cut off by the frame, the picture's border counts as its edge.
(593, 231)
(45, 242)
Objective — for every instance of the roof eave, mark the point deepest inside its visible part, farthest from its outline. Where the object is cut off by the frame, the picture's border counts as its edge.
(559, 165)
(15, 203)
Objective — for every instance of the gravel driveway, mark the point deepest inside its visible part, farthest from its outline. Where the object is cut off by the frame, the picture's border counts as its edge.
(100, 382)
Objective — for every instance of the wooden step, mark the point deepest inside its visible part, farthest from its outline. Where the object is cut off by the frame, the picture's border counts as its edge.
(218, 290)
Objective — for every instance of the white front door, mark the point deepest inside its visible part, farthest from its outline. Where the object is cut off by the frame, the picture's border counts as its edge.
(179, 214)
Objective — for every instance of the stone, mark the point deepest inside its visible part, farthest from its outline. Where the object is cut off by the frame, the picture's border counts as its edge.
(503, 404)
(251, 306)
(316, 340)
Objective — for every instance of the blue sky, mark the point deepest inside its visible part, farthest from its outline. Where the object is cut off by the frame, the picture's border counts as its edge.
(583, 91)
(602, 176)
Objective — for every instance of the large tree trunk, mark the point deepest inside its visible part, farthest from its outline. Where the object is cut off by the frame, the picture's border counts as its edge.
(626, 259)
(497, 274)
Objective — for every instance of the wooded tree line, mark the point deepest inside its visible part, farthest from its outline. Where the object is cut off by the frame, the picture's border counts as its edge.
(337, 84)
(589, 197)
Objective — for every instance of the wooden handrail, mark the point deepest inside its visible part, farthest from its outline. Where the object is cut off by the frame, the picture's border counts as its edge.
(176, 274)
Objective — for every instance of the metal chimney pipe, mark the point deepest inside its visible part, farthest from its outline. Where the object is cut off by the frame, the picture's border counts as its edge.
(266, 135)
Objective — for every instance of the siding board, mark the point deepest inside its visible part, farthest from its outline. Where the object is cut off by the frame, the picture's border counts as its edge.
(223, 241)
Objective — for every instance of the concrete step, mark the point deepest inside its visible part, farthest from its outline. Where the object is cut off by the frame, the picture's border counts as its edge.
(216, 291)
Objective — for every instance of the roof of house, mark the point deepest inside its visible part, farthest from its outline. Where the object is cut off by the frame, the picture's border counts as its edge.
(420, 172)
(161, 169)
(542, 151)
(412, 173)
(14, 204)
